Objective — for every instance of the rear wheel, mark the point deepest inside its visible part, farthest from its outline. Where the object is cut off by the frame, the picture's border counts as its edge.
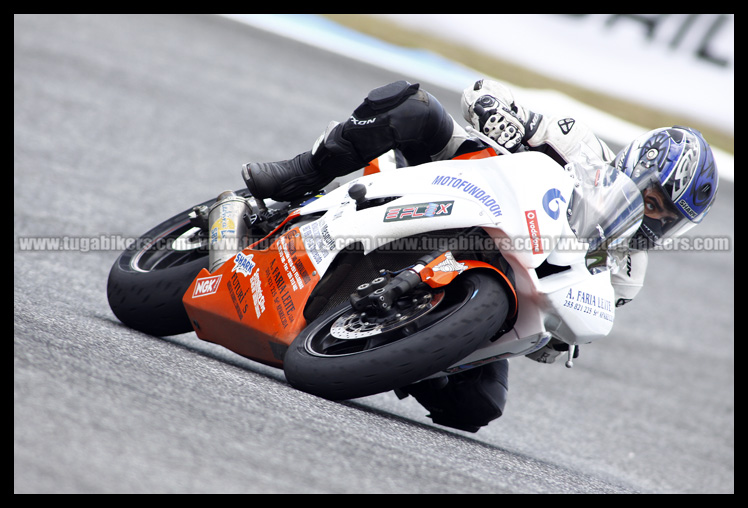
(148, 280)
(344, 354)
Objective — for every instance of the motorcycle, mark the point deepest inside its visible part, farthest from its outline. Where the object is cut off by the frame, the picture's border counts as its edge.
(394, 277)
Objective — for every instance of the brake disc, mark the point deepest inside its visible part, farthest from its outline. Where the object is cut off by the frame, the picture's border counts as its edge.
(357, 325)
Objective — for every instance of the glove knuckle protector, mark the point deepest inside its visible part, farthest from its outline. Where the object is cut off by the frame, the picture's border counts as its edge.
(490, 108)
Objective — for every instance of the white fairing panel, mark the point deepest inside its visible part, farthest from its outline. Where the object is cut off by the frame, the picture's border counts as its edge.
(521, 200)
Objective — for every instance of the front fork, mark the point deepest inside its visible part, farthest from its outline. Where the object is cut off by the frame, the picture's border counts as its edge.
(436, 269)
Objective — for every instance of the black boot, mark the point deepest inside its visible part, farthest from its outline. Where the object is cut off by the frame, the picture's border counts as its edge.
(331, 157)
(468, 400)
(284, 180)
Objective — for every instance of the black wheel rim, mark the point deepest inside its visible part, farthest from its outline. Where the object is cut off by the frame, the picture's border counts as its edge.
(176, 246)
(322, 343)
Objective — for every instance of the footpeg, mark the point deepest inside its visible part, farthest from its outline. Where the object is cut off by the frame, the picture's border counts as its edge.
(570, 358)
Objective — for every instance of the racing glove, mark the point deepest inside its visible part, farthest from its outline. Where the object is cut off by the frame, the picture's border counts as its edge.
(490, 108)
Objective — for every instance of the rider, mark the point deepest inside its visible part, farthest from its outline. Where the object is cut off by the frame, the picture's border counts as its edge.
(404, 117)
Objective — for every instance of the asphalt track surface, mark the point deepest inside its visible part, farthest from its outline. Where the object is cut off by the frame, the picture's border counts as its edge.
(120, 122)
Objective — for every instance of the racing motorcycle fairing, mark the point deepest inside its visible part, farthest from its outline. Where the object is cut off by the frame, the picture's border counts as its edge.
(254, 303)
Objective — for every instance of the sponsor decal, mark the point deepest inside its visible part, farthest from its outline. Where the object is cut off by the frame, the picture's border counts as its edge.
(258, 297)
(356, 121)
(283, 278)
(243, 264)
(533, 125)
(450, 264)
(534, 229)
(317, 240)
(224, 226)
(684, 206)
(477, 192)
(418, 211)
(591, 304)
(237, 294)
(550, 203)
(566, 124)
(280, 293)
(622, 301)
(206, 286)
(295, 271)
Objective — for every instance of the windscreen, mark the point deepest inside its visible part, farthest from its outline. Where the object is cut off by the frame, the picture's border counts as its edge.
(606, 208)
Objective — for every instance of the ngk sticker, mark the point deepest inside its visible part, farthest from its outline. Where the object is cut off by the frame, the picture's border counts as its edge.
(206, 286)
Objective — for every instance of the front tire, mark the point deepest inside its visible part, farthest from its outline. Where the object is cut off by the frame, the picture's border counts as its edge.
(474, 306)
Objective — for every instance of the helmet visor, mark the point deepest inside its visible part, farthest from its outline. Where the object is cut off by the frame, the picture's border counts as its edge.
(663, 219)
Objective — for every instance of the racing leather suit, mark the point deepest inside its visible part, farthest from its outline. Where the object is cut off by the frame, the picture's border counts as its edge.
(404, 117)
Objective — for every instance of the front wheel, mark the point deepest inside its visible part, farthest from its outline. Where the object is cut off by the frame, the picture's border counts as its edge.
(339, 357)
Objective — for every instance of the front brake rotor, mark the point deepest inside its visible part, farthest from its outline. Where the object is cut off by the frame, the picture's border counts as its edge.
(357, 325)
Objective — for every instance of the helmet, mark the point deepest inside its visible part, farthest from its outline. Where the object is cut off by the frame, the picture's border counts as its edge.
(674, 169)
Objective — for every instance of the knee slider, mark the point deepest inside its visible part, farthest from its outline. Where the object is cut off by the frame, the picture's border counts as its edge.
(403, 116)
(385, 98)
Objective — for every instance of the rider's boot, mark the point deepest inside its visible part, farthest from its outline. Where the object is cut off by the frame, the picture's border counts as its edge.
(397, 115)
(331, 156)
(468, 400)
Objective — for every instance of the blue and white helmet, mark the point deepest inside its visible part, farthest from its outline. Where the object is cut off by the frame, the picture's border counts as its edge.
(677, 162)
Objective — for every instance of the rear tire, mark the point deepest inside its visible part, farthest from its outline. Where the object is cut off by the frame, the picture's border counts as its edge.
(474, 307)
(147, 282)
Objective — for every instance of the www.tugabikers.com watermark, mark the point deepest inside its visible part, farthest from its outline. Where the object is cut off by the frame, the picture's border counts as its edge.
(119, 243)
(101, 243)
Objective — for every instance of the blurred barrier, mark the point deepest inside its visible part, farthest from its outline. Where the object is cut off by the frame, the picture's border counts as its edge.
(681, 63)
(332, 37)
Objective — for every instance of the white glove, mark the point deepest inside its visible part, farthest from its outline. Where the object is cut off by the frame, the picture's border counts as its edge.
(490, 108)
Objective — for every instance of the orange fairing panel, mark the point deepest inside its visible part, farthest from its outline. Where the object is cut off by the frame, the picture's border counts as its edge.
(480, 154)
(372, 167)
(445, 268)
(254, 303)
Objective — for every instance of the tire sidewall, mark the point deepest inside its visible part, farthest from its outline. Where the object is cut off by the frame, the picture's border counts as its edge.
(405, 361)
(151, 301)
